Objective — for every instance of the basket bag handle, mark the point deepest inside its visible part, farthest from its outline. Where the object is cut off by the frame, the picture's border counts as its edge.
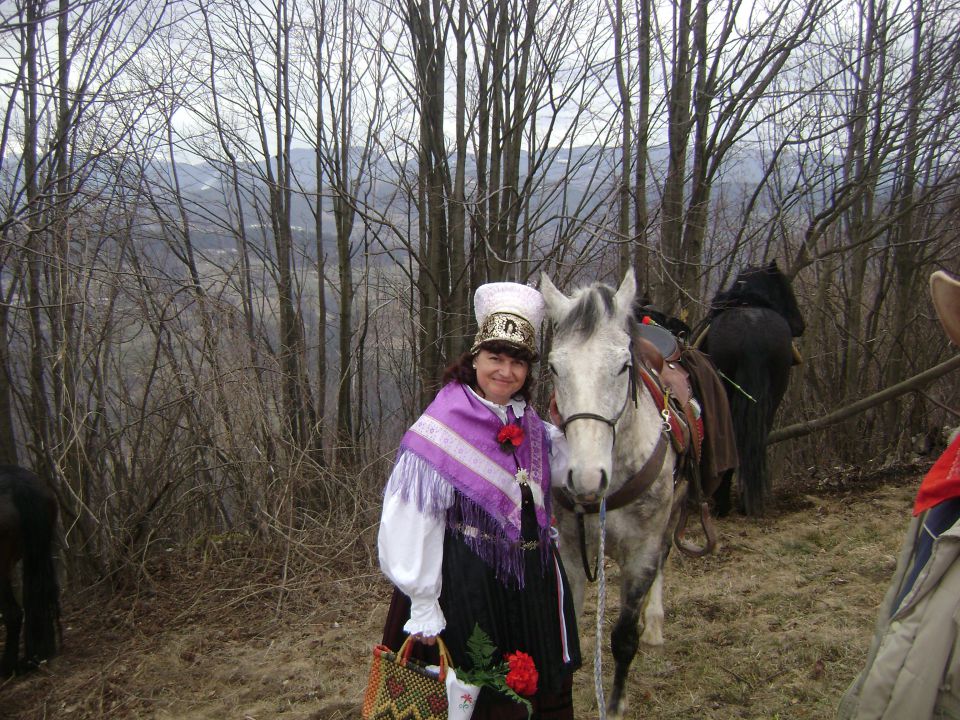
(445, 659)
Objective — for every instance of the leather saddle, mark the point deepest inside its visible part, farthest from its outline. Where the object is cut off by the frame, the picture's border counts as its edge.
(660, 369)
(659, 350)
(662, 339)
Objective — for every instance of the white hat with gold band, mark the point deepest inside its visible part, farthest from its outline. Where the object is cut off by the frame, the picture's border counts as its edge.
(508, 312)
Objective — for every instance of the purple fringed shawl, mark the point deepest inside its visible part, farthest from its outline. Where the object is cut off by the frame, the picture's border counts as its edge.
(457, 436)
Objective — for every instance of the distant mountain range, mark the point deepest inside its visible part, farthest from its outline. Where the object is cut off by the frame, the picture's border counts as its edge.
(570, 183)
(574, 182)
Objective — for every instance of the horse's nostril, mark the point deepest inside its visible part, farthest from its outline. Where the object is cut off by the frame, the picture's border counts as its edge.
(603, 482)
(569, 480)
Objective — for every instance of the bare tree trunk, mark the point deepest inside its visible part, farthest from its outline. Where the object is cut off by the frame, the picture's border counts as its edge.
(458, 310)
(642, 255)
(513, 132)
(298, 400)
(856, 168)
(8, 437)
(695, 224)
(65, 300)
(624, 193)
(434, 276)
(318, 225)
(678, 132)
(39, 414)
(496, 242)
(906, 248)
(343, 213)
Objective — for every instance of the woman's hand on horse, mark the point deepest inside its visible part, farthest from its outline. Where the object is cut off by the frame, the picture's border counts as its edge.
(555, 417)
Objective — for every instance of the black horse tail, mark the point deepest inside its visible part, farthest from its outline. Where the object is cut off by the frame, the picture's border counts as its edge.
(41, 591)
(751, 412)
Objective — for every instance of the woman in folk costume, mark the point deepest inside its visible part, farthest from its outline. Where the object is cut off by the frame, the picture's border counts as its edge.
(913, 666)
(465, 532)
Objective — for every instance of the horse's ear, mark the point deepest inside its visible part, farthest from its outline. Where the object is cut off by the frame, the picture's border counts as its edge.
(557, 303)
(626, 293)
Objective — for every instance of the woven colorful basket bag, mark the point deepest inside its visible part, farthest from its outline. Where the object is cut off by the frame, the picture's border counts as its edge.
(401, 687)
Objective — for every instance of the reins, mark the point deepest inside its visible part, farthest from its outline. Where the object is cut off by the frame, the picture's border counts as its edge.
(601, 604)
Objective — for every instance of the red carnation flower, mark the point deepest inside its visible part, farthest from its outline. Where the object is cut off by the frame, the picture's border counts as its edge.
(510, 437)
(523, 675)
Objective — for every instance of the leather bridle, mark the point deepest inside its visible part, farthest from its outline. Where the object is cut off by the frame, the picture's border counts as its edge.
(611, 421)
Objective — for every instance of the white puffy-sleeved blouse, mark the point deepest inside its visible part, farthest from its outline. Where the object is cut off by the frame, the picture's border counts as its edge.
(410, 542)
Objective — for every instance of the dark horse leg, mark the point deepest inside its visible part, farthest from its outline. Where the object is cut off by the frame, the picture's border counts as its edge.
(625, 638)
(723, 503)
(11, 611)
(751, 347)
(641, 584)
(28, 513)
(13, 622)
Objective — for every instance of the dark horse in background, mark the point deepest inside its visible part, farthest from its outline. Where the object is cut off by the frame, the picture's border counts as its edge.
(750, 341)
(28, 516)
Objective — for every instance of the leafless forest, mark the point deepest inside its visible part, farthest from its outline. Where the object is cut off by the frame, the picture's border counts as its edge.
(240, 238)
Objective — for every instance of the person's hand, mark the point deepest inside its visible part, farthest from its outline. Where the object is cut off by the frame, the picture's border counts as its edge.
(425, 639)
(555, 416)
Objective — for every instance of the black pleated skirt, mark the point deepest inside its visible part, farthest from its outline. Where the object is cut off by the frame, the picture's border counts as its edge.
(538, 619)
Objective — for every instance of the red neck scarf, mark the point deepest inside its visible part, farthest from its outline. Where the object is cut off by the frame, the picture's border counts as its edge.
(943, 480)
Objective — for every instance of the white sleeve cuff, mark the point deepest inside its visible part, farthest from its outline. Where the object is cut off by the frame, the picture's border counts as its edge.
(426, 617)
(559, 455)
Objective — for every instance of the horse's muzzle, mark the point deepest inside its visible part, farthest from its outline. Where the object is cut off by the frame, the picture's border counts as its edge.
(591, 492)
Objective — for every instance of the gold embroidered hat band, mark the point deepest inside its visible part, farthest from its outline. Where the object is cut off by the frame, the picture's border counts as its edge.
(508, 312)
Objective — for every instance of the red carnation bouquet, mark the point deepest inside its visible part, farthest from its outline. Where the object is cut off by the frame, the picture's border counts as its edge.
(510, 437)
(515, 676)
(523, 675)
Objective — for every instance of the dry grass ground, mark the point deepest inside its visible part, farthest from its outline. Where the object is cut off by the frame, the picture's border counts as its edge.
(774, 626)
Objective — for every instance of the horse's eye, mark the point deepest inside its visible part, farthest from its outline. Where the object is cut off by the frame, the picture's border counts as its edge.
(626, 366)
(553, 370)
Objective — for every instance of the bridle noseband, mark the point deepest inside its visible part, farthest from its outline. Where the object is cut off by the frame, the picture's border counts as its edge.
(611, 421)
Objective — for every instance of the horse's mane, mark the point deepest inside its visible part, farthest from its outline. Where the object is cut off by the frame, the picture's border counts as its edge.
(590, 306)
(764, 287)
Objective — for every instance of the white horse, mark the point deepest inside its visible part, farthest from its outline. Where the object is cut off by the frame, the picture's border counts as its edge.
(619, 449)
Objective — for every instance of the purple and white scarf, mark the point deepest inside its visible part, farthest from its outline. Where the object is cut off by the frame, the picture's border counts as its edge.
(457, 437)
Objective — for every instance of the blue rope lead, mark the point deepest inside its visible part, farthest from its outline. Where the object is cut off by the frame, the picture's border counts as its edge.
(601, 603)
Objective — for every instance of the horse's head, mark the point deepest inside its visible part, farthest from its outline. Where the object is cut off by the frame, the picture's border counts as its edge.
(591, 365)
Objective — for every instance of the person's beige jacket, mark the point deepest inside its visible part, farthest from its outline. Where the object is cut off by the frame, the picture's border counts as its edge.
(913, 667)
